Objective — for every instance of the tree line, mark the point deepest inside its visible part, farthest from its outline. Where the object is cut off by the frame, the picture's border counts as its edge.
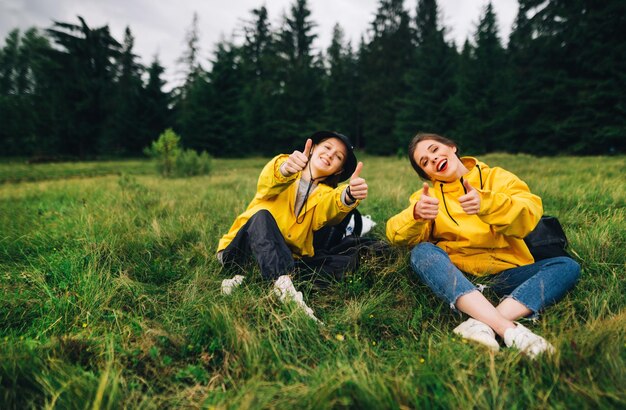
(556, 87)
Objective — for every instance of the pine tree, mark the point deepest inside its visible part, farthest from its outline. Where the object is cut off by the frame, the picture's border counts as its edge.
(224, 118)
(155, 112)
(430, 81)
(11, 107)
(125, 129)
(482, 87)
(582, 56)
(524, 69)
(300, 92)
(192, 97)
(384, 62)
(467, 129)
(258, 70)
(82, 84)
(342, 87)
(191, 68)
(21, 108)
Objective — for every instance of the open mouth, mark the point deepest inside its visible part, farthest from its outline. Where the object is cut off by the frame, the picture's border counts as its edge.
(443, 164)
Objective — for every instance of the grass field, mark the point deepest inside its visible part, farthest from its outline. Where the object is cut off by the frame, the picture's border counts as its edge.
(109, 298)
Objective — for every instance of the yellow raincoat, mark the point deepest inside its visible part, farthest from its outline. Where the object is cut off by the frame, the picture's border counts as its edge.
(277, 194)
(482, 244)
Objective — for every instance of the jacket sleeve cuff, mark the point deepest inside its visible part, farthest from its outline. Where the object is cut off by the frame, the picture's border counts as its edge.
(403, 227)
(342, 200)
(346, 201)
(278, 176)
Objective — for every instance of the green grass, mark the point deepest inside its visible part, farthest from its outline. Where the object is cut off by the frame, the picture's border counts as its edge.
(12, 170)
(109, 298)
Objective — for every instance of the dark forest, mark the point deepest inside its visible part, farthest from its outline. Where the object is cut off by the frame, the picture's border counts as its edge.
(557, 87)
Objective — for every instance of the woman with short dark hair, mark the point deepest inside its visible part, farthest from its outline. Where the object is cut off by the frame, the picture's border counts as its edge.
(297, 194)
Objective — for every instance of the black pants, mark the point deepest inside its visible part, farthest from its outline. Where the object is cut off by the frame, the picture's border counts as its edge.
(261, 239)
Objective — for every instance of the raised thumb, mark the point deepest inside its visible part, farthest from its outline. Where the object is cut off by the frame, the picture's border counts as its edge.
(307, 147)
(357, 171)
(467, 185)
(425, 190)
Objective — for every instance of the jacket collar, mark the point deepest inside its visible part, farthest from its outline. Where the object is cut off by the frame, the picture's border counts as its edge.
(471, 164)
(314, 196)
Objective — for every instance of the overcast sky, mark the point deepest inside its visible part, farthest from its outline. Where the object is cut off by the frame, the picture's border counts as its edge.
(159, 26)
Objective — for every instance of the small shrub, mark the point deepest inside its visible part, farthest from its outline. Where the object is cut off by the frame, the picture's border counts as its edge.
(173, 161)
(190, 163)
(165, 150)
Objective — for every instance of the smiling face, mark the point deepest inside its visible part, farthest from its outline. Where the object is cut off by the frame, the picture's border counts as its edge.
(439, 161)
(328, 157)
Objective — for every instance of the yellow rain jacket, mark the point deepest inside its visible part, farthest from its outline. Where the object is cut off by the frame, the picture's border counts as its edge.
(482, 244)
(277, 194)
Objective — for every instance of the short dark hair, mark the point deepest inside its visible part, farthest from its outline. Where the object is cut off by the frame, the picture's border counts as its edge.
(424, 136)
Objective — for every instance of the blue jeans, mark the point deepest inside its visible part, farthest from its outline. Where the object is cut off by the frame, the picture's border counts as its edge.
(535, 286)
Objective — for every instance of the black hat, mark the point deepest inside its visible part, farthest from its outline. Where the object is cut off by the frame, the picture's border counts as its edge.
(350, 163)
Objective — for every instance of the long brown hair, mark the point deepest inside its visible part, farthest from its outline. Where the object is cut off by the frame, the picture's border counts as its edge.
(423, 136)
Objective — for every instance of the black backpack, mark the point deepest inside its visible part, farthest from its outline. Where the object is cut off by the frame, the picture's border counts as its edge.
(547, 240)
(338, 249)
(329, 237)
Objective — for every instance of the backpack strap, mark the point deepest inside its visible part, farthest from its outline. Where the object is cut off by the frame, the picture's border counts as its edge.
(358, 221)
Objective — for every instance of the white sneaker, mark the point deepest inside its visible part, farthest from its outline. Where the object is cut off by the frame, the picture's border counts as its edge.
(526, 341)
(283, 287)
(229, 284)
(479, 332)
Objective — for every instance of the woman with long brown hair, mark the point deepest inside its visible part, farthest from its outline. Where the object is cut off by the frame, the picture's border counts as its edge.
(471, 223)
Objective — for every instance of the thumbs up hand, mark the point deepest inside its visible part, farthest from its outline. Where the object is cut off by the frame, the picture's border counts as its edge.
(358, 187)
(470, 202)
(427, 207)
(297, 160)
